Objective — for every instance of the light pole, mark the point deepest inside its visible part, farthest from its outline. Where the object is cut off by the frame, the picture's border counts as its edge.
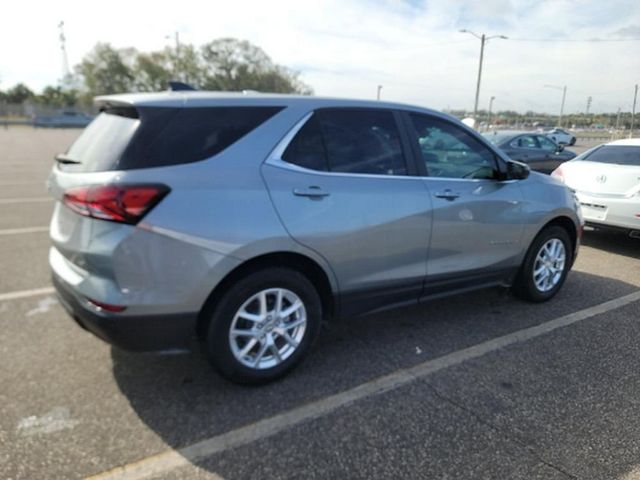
(490, 107)
(483, 39)
(633, 112)
(564, 95)
(379, 89)
(177, 62)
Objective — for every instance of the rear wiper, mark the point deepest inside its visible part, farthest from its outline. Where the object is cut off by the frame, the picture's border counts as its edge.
(63, 158)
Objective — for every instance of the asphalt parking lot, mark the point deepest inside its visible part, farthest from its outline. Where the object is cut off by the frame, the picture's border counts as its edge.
(474, 386)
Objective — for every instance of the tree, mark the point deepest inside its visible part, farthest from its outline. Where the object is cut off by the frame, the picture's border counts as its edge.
(58, 97)
(106, 70)
(18, 94)
(152, 71)
(231, 64)
(223, 64)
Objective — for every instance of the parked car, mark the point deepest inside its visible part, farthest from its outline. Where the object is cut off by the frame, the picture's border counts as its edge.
(536, 150)
(63, 119)
(561, 137)
(247, 220)
(607, 183)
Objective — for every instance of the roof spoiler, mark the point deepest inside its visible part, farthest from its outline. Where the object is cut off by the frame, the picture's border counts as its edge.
(180, 86)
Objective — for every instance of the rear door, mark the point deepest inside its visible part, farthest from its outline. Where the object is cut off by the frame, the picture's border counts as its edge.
(477, 218)
(552, 156)
(343, 187)
(526, 148)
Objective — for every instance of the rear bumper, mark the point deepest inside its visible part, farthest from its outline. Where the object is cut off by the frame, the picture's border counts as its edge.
(135, 333)
(620, 213)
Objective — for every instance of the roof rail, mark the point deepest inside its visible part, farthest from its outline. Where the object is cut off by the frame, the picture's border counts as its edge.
(180, 86)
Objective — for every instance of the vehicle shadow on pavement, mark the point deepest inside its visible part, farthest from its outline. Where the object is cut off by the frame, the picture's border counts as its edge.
(612, 242)
(184, 401)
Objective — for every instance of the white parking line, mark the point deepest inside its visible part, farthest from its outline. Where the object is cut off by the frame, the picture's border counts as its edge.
(26, 182)
(171, 459)
(25, 293)
(18, 231)
(6, 201)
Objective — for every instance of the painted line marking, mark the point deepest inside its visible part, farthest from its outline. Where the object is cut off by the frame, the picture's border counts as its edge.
(26, 182)
(6, 201)
(26, 293)
(172, 459)
(18, 231)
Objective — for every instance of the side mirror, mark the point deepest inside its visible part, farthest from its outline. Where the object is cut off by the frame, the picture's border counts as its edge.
(560, 148)
(517, 170)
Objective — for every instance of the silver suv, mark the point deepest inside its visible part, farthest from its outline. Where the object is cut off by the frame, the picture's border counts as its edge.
(247, 220)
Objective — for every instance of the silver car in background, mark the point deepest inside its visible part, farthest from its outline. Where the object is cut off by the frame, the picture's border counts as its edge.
(248, 220)
(606, 180)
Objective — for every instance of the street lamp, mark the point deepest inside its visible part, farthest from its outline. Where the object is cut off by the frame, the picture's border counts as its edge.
(379, 89)
(483, 39)
(176, 66)
(490, 107)
(633, 111)
(564, 95)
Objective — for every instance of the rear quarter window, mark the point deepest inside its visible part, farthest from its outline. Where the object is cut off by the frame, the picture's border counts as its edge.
(126, 138)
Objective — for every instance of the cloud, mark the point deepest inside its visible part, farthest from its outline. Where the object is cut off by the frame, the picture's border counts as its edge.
(348, 47)
(630, 31)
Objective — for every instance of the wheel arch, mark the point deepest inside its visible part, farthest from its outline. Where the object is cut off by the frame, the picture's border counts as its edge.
(295, 261)
(567, 224)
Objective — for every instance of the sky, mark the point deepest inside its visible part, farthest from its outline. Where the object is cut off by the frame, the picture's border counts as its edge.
(346, 48)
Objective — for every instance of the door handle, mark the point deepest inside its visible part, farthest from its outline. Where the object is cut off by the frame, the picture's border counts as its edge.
(312, 192)
(447, 194)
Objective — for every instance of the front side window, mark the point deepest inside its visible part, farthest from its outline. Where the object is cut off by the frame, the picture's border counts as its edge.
(349, 141)
(547, 144)
(450, 152)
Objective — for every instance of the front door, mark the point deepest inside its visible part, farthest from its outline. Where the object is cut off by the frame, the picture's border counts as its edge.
(477, 226)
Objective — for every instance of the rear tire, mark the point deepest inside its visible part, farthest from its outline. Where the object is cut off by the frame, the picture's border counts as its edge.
(263, 326)
(545, 266)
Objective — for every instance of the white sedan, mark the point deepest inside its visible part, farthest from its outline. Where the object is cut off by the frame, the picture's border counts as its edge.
(606, 180)
(561, 137)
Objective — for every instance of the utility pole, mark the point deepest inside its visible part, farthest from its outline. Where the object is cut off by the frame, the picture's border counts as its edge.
(63, 46)
(176, 65)
(490, 108)
(564, 95)
(483, 39)
(379, 89)
(633, 112)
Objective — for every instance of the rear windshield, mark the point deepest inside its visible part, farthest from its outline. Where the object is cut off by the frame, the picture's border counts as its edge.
(618, 154)
(128, 138)
(497, 138)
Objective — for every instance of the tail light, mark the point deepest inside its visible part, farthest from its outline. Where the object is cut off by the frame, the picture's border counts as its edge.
(116, 203)
(557, 173)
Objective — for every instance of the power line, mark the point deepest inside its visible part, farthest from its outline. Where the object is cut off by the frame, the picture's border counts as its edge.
(576, 40)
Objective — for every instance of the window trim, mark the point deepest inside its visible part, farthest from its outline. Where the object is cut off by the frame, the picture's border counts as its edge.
(499, 163)
(275, 157)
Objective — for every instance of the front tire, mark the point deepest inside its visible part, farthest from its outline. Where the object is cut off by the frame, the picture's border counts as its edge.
(545, 266)
(263, 326)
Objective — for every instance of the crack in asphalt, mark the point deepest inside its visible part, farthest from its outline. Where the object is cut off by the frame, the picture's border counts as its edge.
(529, 448)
